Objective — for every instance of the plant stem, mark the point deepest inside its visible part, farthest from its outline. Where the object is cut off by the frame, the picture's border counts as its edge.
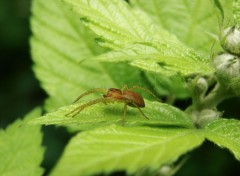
(207, 104)
(213, 98)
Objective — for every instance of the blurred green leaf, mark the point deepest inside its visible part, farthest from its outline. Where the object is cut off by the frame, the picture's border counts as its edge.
(173, 86)
(220, 11)
(21, 151)
(193, 22)
(116, 148)
(225, 133)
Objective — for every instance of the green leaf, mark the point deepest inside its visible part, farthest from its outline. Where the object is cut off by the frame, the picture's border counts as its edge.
(236, 12)
(21, 152)
(225, 133)
(58, 44)
(102, 115)
(151, 59)
(115, 22)
(116, 148)
(158, 59)
(194, 22)
(136, 38)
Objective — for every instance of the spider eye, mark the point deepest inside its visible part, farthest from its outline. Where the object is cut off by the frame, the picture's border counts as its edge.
(114, 90)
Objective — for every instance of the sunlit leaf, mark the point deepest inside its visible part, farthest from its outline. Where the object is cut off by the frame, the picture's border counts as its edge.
(110, 149)
(158, 60)
(133, 36)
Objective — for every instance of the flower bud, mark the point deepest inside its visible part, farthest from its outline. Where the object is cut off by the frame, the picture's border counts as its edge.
(230, 40)
(227, 65)
(208, 115)
(202, 85)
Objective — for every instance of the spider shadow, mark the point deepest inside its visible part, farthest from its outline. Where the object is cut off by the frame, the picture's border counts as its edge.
(165, 126)
(117, 111)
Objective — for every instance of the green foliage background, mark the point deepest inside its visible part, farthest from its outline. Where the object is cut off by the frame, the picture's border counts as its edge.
(219, 163)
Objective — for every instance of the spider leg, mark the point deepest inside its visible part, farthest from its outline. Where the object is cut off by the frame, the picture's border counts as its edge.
(125, 109)
(89, 92)
(125, 87)
(146, 90)
(140, 110)
(124, 113)
(77, 110)
(142, 113)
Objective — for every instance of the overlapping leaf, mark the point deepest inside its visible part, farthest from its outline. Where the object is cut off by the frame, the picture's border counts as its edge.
(134, 34)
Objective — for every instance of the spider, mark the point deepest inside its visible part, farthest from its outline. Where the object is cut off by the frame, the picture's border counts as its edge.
(125, 95)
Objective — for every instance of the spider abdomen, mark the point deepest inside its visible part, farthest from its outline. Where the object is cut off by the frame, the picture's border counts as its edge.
(134, 98)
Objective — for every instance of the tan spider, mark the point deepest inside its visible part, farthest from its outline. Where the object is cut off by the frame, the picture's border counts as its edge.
(125, 95)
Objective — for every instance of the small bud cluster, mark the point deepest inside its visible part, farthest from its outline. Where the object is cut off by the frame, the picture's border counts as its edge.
(227, 64)
(227, 68)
